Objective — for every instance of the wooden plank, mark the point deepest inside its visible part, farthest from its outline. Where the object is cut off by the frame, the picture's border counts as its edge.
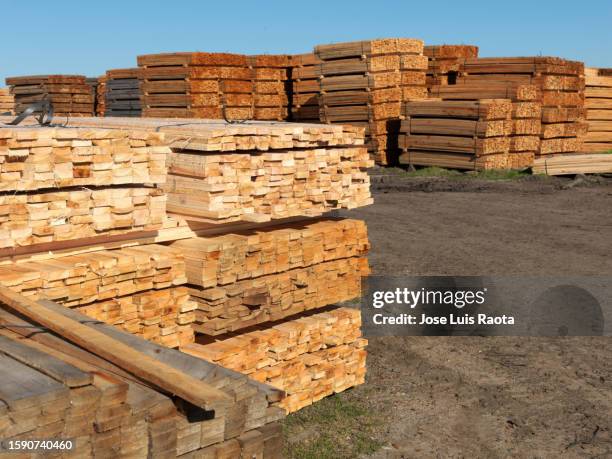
(22, 387)
(147, 368)
(44, 363)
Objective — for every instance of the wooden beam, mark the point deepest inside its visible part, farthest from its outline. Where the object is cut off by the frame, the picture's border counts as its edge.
(137, 363)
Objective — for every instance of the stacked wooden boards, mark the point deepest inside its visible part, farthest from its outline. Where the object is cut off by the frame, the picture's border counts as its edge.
(215, 86)
(122, 92)
(363, 83)
(456, 134)
(257, 171)
(305, 87)
(598, 104)
(239, 277)
(115, 395)
(61, 183)
(246, 278)
(7, 102)
(196, 85)
(270, 76)
(546, 88)
(69, 94)
(308, 358)
(137, 289)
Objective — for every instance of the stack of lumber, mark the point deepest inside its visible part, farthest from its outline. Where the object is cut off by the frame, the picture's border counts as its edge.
(101, 96)
(197, 85)
(115, 395)
(363, 83)
(7, 102)
(456, 134)
(246, 278)
(266, 185)
(61, 183)
(122, 92)
(215, 86)
(598, 104)
(239, 274)
(571, 164)
(308, 358)
(550, 86)
(136, 289)
(69, 94)
(258, 171)
(526, 111)
(560, 85)
(270, 76)
(444, 62)
(305, 87)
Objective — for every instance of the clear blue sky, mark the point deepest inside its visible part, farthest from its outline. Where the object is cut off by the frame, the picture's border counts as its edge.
(89, 37)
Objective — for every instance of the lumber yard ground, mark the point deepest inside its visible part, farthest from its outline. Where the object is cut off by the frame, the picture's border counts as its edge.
(476, 396)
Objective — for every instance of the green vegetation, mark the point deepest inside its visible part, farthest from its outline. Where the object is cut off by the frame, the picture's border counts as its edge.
(333, 428)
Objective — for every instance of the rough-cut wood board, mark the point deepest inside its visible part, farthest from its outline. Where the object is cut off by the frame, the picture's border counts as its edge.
(135, 362)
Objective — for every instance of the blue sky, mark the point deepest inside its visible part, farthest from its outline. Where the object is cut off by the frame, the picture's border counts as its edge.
(89, 37)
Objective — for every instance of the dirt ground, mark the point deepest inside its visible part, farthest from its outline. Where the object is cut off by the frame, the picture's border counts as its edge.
(473, 396)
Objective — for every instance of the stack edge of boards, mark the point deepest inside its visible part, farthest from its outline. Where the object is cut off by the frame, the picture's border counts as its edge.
(250, 266)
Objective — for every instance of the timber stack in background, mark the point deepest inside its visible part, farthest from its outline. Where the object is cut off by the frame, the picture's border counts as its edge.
(270, 77)
(7, 102)
(598, 110)
(547, 95)
(122, 92)
(304, 72)
(196, 85)
(70, 95)
(364, 83)
(215, 86)
(473, 135)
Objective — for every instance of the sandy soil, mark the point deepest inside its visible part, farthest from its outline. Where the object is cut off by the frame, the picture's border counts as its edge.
(490, 397)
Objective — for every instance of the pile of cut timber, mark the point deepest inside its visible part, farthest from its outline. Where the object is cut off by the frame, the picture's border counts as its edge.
(546, 88)
(7, 102)
(245, 278)
(305, 87)
(257, 171)
(196, 85)
(456, 134)
(270, 76)
(101, 96)
(240, 274)
(598, 103)
(363, 83)
(69, 94)
(122, 92)
(215, 86)
(444, 62)
(115, 395)
(61, 183)
(133, 288)
(308, 358)
(571, 164)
